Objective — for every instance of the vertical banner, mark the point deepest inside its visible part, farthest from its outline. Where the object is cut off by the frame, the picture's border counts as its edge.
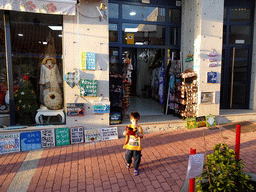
(30, 140)
(48, 138)
(62, 136)
(90, 61)
(9, 143)
(77, 135)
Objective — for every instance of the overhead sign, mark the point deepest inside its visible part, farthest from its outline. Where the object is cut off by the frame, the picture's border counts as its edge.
(60, 7)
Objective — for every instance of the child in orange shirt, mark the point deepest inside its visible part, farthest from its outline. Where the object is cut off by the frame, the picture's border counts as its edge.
(134, 134)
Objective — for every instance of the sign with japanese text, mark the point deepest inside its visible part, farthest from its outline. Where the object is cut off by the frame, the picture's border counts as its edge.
(47, 138)
(9, 143)
(76, 134)
(30, 140)
(88, 87)
(62, 136)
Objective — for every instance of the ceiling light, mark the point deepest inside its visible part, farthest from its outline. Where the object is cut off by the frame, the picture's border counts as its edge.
(45, 43)
(138, 43)
(132, 13)
(20, 35)
(130, 29)
(59, 35)
(55, 28)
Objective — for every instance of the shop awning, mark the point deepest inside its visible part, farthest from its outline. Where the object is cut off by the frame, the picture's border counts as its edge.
(61, 7)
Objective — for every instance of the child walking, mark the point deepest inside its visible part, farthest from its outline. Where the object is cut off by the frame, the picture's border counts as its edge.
(134, 134)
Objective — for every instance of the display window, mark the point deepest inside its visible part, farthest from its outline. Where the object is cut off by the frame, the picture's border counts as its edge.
(37, 71)
(4, 103)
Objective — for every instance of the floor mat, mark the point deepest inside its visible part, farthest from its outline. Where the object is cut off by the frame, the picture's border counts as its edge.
(246, 126)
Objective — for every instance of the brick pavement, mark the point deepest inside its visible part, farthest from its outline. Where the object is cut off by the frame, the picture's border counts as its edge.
(100, 166)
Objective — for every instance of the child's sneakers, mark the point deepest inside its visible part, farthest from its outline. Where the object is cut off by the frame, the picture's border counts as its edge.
(128, 166)
(136, 172)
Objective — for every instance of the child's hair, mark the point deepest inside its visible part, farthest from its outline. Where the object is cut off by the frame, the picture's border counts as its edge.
(135, 115)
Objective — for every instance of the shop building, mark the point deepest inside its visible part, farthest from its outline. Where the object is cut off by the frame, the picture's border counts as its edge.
(123, 53)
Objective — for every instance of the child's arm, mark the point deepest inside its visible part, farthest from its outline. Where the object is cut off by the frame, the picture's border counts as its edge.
(140, 133)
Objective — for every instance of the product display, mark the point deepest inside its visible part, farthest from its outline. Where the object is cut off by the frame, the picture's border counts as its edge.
(186, 96)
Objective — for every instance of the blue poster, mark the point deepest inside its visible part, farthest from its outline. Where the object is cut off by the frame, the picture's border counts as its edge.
(90, 61)
(211, 77)
(30, 140)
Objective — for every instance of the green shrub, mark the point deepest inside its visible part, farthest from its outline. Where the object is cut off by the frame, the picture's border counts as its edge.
(222, 172)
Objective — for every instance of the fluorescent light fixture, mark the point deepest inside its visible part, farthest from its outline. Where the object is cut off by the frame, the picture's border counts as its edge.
(45, 43)
(132, 13)
(20, 35)
(130, 29)
(55, 28)
(60, 35)
(139, 43)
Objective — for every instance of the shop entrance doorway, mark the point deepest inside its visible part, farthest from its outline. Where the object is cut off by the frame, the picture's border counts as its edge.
(141, 71)
(236, 58)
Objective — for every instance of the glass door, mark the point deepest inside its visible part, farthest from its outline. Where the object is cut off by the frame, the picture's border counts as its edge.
(236, 58)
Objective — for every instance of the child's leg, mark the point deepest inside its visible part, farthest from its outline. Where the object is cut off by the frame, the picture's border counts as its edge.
(137, 159)
(128, 156)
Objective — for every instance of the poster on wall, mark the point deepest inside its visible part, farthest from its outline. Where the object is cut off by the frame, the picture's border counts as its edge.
(76, 134)
(75, 109)
(62, 136)
(48, 138)
(90, 61)
(30, 140)
(109, 133)
(91, 135)
(9, 143)
(88, 87)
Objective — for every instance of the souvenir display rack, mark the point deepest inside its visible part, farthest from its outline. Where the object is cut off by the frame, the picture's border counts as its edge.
(186, 95)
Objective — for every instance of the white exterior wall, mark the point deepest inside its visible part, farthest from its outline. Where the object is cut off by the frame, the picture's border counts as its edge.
(90, 35)
(252, 103)
(202, 28)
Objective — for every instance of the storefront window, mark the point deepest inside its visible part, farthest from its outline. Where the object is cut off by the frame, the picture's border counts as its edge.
(143, 13)
(36, 41)
(240, 15)
(113, 11)
(113, 35)
(174, 15)
(173, 36)
(113, 60)
(143, 34)
(4, 100)
(239, 34)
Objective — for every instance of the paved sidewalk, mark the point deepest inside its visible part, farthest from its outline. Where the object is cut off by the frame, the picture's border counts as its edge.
(101, 167)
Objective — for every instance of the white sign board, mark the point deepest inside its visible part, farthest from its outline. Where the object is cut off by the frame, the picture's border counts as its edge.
(92, 135)
(109, 133)
(195, 165)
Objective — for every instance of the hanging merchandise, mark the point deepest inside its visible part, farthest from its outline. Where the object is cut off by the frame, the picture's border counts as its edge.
(161, 85)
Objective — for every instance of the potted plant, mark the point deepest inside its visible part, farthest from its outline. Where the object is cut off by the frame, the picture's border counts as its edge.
(221, 172)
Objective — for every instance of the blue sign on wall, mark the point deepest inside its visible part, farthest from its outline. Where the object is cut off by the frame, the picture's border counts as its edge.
(90, 61)
(211, 77)
(30, 140)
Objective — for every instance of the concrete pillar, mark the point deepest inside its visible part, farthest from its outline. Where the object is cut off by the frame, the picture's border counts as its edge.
(202, 29)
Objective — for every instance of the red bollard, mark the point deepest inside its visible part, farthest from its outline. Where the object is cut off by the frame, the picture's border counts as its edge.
(237, 148)
(192, 181)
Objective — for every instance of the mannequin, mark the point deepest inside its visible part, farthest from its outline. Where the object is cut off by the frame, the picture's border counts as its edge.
(50, 78)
